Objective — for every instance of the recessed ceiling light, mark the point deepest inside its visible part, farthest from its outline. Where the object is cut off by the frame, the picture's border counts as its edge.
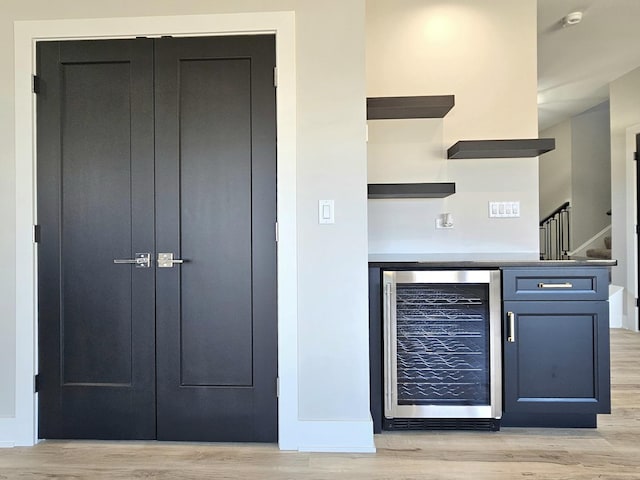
(572, 19)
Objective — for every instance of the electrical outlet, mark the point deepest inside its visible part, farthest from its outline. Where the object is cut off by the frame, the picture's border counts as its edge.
(504, 209)
(444, 221)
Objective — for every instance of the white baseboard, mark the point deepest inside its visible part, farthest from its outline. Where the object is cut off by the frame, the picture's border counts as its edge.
(336, 436)
(15, 432)
(7, 438)
(626, 323)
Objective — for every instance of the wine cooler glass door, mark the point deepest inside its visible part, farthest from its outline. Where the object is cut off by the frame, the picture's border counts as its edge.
(442, 344)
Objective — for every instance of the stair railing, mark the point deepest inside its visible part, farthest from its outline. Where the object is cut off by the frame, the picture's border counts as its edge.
(555, 234)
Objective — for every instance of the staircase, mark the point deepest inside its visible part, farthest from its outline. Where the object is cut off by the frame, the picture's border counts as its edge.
(555, 238)
(554, 234)
(601, 253)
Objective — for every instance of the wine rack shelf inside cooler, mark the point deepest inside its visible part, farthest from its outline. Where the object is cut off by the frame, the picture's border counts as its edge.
(442, 347)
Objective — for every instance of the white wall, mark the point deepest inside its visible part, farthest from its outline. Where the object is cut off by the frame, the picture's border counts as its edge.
(624, 99)
(332, 340)
(579, 171)
(485, 54)
(555, 169)
(333, 295)
(591, 173)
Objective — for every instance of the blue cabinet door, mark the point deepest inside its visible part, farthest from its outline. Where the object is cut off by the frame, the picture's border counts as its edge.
(556, 358)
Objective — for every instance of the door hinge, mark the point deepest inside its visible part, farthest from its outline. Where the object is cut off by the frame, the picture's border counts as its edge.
(275, 76)
(635, 156)
(277, 232)
(637, 229)
(637, 303)
(278, 387)
(36, 383)
(36, 234)
(35, 84)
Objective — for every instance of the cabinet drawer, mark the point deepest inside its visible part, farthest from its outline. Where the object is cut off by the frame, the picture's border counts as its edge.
(563, 283)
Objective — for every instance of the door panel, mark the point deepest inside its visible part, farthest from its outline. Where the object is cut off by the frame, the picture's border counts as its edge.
(215, 219)
(95, 155)
(215, 119)
(97, 334)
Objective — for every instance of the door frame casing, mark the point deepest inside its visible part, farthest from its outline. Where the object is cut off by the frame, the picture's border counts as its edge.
(625, 226)
(22, 426)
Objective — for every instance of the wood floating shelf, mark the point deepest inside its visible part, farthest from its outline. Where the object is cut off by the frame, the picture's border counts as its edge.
(411, 190)
(431, 106)
(520, 148)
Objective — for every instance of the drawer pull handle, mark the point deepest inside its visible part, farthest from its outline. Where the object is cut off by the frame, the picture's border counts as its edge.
(512, 327)
(555, 285)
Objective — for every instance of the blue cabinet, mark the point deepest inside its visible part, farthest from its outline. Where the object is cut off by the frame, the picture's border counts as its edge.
(555, 346)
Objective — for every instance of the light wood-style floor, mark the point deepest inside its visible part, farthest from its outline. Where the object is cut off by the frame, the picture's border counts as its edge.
(610, 452)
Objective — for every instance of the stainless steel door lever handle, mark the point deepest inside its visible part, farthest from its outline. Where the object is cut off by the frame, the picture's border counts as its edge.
(166, 260)
(140, 260)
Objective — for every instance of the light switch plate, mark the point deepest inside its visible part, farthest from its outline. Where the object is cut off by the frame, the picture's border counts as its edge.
(326, 212)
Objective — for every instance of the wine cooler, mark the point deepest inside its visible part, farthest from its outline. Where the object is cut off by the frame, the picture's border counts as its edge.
(442, 349)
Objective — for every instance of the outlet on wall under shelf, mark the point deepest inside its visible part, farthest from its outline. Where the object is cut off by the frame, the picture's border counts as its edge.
(444, 221)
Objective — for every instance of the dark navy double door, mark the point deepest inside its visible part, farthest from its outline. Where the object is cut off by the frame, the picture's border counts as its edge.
(148, 147)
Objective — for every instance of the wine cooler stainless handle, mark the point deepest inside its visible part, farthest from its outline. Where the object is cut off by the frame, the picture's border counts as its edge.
(555, 285)
(388, 400)
(512, 327)
(140, 260)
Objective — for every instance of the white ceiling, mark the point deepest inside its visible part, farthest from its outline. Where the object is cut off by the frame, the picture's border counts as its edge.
(576, 63)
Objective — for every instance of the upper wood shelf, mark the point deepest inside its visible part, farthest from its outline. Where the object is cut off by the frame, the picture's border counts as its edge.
(411, 190)
(531, 147)
(432, 106)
